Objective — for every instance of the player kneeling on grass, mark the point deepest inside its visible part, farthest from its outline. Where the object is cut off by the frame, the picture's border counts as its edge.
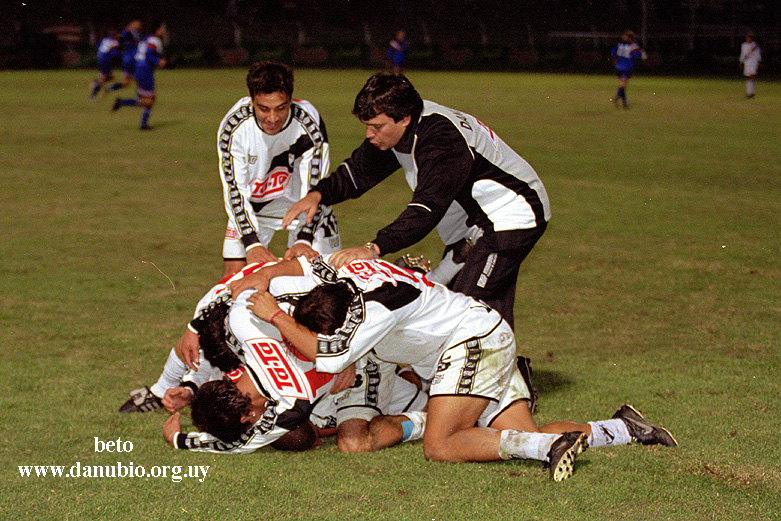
(477, 401)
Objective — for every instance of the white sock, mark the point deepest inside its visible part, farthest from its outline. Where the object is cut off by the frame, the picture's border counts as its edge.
(605, 433)
(525, 445)
(414, 428)
(445, 270)
(173, 371)
(749, 87)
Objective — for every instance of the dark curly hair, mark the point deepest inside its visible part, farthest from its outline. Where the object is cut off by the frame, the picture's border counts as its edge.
(268, 77)
(217, 407)
(324, 309)
(387, 93)
(213, 338)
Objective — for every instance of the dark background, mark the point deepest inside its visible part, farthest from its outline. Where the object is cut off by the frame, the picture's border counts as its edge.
(690, 37)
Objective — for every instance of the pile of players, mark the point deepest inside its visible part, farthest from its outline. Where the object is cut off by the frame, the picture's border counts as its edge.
(323, 339)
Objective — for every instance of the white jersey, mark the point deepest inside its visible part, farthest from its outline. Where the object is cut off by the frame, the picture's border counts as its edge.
(262, 174)
(750, 56)
(398, 315)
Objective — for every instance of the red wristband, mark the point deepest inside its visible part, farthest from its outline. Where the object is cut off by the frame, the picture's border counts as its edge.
(275, 316)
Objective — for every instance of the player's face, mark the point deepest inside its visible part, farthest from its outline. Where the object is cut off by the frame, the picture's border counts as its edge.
(271, 111)
(383, 132)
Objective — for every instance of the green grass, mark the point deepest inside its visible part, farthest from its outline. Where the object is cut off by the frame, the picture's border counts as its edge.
(658, 283)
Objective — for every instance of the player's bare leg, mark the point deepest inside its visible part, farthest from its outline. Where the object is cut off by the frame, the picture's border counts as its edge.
(358, 435)
(451, 434)
(232, 266)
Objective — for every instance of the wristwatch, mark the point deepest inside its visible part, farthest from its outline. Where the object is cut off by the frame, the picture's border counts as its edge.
(372, 248)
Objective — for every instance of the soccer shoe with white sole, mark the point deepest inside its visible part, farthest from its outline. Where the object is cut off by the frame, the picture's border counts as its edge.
(141, 400)
(562, 454)
(642, 430)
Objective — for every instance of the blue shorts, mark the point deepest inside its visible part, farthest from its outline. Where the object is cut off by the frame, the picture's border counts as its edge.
(146, 82)
(104, 67)
(624, 75)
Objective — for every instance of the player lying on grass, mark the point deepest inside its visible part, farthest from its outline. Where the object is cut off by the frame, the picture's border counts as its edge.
(477, 401)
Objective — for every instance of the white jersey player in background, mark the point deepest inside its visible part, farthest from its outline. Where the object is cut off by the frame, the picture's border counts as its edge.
(477, 401)
(272, 150)
(750, 58)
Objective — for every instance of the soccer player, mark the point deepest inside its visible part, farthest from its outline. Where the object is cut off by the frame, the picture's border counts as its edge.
(272, 150)
(149, 56)
(477, 407)
(462, 175)
(129, 39)
(108, 51)
(625, 53)
(397, 52)
(750, 58)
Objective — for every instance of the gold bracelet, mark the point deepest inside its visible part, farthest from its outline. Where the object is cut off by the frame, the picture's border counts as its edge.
(371, 247)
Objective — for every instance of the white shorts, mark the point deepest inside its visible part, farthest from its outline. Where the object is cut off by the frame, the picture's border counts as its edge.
(750, 68)
(485, 367)
(378, 390)
(233, 248)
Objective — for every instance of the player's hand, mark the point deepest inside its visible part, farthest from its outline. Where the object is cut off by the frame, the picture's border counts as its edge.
(187, 349)
(260, 254)
(176, 398)
(258, 280)
(171, 427)
(308, 204)
(263, 305)
(344, 380)
(347, 255)
(299, 249)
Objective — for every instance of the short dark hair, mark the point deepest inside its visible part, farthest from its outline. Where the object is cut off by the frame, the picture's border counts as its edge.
(268, 77)
(387, 93)
(324, 309)
(213, 338)
(217, 407)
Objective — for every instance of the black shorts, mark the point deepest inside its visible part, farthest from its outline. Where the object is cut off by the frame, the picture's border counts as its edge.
(491, 269)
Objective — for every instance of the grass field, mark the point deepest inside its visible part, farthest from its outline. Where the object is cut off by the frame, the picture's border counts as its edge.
(658, 283)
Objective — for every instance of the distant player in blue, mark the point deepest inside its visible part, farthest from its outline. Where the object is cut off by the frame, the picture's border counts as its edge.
(129, 41)
(108, 53)
(149, 56)
(397, 52)
(625, 53)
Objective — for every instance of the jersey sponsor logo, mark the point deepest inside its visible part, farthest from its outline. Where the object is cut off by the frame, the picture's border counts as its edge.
(287, 380)
(231, 233)
(234, 375)
(271, 186)
(368, 270)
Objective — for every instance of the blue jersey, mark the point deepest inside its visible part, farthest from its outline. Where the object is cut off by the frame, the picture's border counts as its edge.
(625, 54)
(397, 52)
(129, 39)
(108, 50)
(148, 55)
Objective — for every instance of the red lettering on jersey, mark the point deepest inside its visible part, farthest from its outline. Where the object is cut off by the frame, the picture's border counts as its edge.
(490, 132)
(277, 367)
(271, 186)
(365, 270)
(231, 233)
(234, 375)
